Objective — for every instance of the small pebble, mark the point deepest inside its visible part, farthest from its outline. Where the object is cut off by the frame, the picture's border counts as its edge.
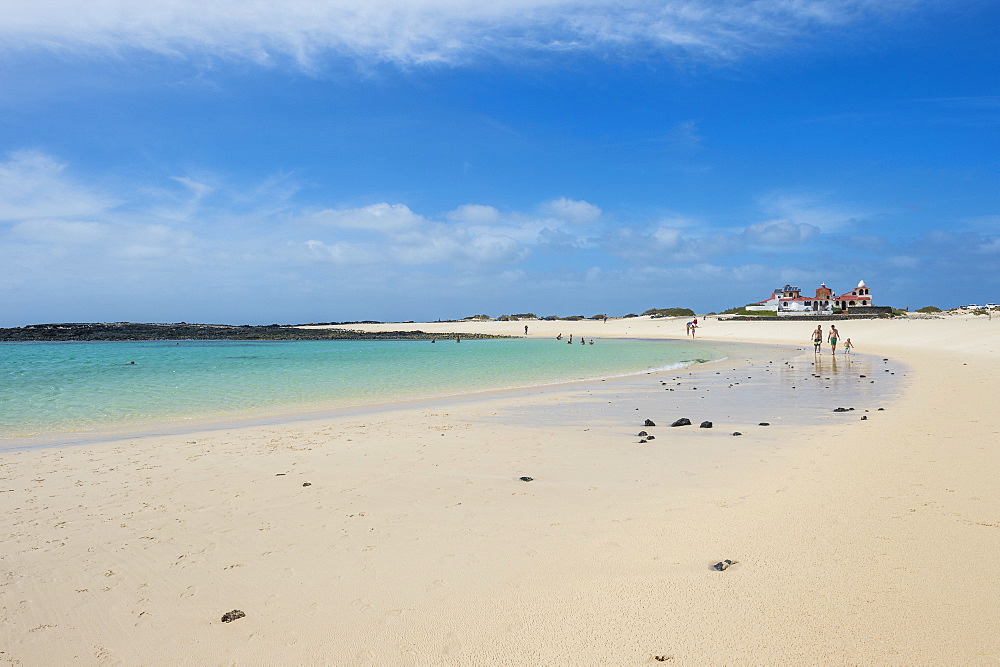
(526, 479)
(231, 616)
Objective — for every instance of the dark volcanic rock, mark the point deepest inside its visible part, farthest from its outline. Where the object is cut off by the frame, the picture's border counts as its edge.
(307, 483)
(111, 331)
(840, 410)
(231, 616)
(737, 433)
(724, 564)
(683, 421)
(650, 437)
(705, 425)
(642, 434)
(764, 424)
(526, 479)
(649, 422)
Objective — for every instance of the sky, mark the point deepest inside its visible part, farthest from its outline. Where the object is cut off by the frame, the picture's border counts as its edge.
(258, 162)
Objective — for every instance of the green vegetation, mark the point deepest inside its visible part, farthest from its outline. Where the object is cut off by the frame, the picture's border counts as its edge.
(599, 317)
(742, 310)
(670, 312)
(929, 309)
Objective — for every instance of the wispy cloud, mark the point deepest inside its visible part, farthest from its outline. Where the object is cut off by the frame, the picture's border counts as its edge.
(427, 31)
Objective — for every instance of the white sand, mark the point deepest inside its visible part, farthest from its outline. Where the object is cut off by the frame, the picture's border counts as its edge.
(869, 542)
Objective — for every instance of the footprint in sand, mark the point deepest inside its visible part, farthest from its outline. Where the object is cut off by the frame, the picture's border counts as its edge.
(190, 592)
(451, 644)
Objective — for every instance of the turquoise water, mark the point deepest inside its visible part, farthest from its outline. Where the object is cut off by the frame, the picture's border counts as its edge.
(48, 388)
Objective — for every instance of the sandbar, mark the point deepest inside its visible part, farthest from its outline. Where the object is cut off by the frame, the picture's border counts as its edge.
(406, 535)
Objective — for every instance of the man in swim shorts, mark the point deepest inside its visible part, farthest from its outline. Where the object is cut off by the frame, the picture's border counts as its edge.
(834, 335)
(817, 338)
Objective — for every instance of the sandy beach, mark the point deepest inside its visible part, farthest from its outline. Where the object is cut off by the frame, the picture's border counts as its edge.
(406, 536)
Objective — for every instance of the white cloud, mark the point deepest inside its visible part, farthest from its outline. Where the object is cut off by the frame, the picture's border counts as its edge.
(780, 233)
(572, 211)
(811, 210)
(427, 31)
(61, 232)
(340, 252)
(475, 213)
(377, 217)
(33, 185)
(668, 238)
(989, 246)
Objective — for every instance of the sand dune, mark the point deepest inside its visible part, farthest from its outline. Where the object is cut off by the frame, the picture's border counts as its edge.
(415, 541)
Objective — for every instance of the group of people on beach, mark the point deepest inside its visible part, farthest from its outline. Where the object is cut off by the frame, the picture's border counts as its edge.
(690, 327)
(832, 338)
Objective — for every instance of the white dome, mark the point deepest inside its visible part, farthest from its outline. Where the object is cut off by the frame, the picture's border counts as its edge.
(862, 284)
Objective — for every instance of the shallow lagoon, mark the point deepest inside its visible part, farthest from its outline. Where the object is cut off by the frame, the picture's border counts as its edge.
(52, 388)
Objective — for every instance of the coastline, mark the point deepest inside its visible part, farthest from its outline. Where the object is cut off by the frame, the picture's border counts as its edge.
(416, 542)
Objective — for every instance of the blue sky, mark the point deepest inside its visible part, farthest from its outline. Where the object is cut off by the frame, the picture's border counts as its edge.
(373, 159)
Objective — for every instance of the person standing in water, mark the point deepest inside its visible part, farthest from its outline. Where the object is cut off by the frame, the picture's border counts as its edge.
(834, 335)
(817, 338)
(847, 346)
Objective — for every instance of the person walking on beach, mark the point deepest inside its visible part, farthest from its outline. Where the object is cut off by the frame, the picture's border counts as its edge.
(525, 329)
(834, 335)
(817, 338)
(847, 346)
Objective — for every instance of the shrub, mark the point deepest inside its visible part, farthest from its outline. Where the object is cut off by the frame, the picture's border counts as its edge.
(670, 312)
(929, 309)
(742, 310)
(598, 317)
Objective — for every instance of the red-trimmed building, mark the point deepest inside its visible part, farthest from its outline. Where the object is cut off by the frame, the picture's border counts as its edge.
(788, 300)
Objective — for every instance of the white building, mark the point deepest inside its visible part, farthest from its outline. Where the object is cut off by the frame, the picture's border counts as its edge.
(788, 300)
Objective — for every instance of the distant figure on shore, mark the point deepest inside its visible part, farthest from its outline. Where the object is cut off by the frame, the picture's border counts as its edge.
(605, 319)
(525, 329)
(583, 341)
(433, 340)
(559, 337)
(571, 338)
(817, 338)
(691, 326)
(847, 346)
(834, 335)
(458, 339)
(591, 342)
(131, 363)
